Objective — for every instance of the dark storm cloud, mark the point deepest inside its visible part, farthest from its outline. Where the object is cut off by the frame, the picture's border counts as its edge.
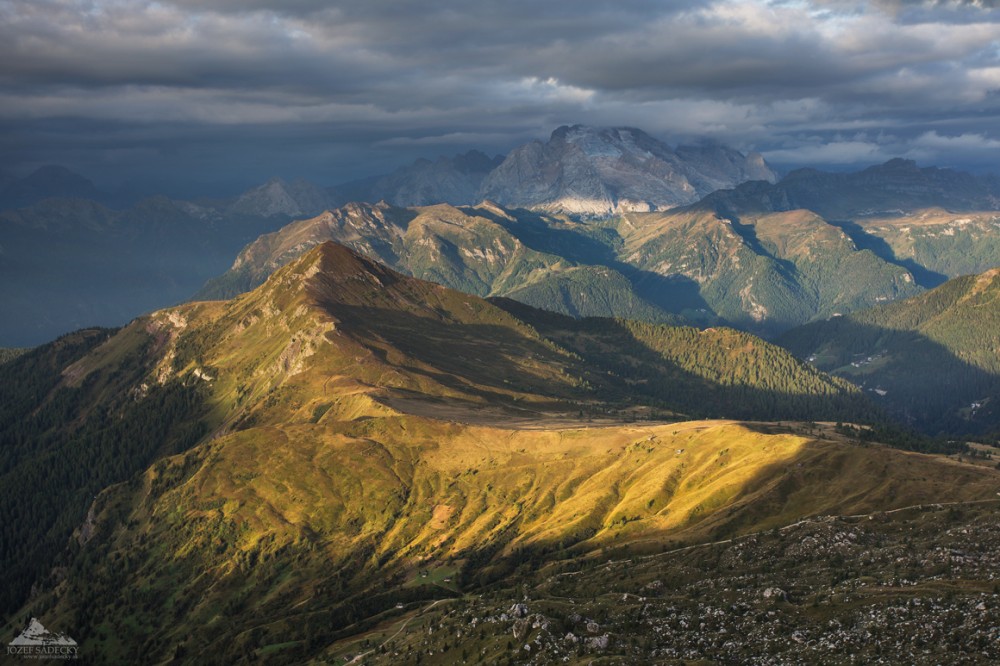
(351, 87)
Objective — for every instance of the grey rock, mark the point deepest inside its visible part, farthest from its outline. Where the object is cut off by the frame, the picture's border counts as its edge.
(602, 171)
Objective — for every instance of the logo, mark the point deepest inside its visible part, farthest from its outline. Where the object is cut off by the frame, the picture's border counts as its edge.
(37, 642)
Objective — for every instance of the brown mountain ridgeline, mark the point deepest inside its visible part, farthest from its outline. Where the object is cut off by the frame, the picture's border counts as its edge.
(355, 429)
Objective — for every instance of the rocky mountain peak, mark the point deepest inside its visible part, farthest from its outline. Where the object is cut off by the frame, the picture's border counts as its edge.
(606, 170)
(279, 197)
(48, 182)
(336, 262)
(579, 169)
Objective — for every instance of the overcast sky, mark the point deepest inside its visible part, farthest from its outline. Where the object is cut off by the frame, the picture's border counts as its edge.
(193, 95)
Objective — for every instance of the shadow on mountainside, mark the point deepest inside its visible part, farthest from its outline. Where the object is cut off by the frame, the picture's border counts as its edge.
(924, 277)
(61, 445)
(484, 361)
(924, 383)
(748, 232)
(752, 380)
(342, 578)
(673, 294)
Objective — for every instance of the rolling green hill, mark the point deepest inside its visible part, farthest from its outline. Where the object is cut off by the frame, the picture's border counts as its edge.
(291, 468)
(934, 358)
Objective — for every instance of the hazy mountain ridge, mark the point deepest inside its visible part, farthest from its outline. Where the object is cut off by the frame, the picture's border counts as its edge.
(71, 263)
(278, 197)
(582, 170)
(897, 186)
(766, 273)
(756, 256)
(47, 182)
(73, 256)
(453, 180)
(483, 250)
(721, 259)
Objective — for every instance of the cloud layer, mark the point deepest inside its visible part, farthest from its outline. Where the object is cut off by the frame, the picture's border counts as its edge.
(233, 91)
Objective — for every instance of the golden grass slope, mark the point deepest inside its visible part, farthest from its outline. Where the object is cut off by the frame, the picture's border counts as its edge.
(419, 489)
(287, 533)
(316, 497)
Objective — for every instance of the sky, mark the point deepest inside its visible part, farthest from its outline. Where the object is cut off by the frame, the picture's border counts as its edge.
(201, 96)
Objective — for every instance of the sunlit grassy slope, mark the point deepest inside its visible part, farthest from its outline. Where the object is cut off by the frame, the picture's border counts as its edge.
(304, 530)
(375, 440)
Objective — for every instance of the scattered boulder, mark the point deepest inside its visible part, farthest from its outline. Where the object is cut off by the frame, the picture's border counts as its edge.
(599, 642)
(521, 628)
(775, 593)
(519, 610)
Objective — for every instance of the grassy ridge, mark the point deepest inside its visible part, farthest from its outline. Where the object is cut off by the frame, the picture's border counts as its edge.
(281, 534)
(292, 464)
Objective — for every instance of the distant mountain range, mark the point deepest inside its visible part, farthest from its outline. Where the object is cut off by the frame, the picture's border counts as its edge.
(761, 255)
(69, 263)
(454, 180)
(894, 188)
(593, 171)
(47, 182)
(580, 170)
(539, 259)
(751, 256)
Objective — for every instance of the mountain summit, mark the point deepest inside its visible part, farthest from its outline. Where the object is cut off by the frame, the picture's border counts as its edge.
(600, 171)
(48, 182)
(278, 197)
(580, 169)
(891, 188)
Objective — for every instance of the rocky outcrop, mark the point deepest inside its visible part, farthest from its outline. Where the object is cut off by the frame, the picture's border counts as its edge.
(278, 197)
(602, 171)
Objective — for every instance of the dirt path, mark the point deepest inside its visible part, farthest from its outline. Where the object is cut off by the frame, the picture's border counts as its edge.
(399, 631)
(554, 417)
(815, 519)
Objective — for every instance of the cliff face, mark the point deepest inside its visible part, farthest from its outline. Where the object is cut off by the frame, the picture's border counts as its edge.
(601, 171)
